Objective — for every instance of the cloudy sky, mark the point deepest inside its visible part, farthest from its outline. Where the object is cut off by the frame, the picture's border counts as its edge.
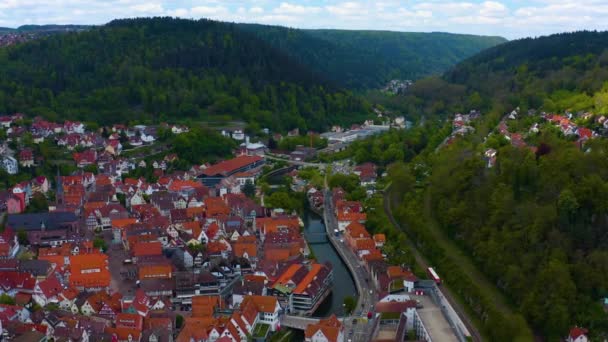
(508, 18)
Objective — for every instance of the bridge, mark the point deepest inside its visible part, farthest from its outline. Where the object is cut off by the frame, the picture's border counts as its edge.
(300, 322)
(296, 162)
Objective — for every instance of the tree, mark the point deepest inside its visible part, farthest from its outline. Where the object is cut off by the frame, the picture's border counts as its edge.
(100, 243)
(350, 303)
(38, 204)
(179, 321)
(22, 237)
(6, 299)
(248, 189)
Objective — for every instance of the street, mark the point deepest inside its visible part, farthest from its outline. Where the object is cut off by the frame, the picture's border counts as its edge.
(357, 327)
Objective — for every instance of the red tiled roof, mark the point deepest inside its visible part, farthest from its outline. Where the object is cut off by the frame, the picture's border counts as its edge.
(576, 332)
(231, 165)
(147, 249)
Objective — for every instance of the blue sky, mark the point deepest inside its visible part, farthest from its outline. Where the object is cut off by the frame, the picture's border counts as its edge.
(510, 19)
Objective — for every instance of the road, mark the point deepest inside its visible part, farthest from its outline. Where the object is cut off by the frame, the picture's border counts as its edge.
(475, 334)
(368, 295)
(294, 162)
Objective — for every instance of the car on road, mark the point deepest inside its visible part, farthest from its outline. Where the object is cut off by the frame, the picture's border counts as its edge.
(369, 315)
(354, 321)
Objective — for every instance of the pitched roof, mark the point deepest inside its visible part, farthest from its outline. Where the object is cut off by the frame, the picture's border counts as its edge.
(204, 306)
(229, 166)
(380, 238)
(240, 248)
(357, 230)
(147, 248)
(576, 332)
(266, 304)
(330, 328)
(180, 185)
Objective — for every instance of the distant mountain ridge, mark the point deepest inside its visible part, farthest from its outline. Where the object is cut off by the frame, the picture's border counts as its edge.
(364, 59)
(553, 73)
(44, 28)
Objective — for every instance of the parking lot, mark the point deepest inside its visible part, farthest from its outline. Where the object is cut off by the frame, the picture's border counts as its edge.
(434, 321)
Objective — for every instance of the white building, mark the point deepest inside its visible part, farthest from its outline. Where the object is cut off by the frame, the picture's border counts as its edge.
(10, 165)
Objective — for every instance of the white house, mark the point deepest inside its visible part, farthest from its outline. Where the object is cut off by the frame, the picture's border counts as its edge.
(578, 334)
(10, 165)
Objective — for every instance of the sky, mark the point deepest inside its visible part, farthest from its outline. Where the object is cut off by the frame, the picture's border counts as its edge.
(508, 18)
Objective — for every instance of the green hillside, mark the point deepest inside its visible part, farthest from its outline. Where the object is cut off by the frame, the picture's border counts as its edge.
(535, 223)
(552, 73)
(163, 68)
(368, 59)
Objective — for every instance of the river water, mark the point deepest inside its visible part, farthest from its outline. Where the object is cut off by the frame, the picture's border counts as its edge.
(314, 230)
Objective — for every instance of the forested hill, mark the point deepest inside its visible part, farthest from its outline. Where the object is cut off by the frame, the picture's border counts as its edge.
(535, 219)
(553, 73)
(163, 68)
(368, 59)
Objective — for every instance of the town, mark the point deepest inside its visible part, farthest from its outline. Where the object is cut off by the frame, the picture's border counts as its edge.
(205, 254)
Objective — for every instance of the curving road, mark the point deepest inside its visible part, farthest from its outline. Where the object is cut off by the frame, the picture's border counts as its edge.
(356, 327)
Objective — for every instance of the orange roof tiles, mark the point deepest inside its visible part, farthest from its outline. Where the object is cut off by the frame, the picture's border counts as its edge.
(381, 238)
(89, 271)
(351, 216)
(273, 224)
(214, 247)
(147, 248)
(231, 165)
(193, 211)
(240, 248)
(365, 244)
(204, 306)
(288, 274)
(215, 206)
(179, 185)
(266, 304)
(314, 270)
(356, 230)
(277, 254)
(155, 272)
(122, 223)
(330, 328)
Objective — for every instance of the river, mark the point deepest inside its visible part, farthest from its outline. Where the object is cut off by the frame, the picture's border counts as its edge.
(314, 231)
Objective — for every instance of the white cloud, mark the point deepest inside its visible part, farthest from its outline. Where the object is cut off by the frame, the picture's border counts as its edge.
(513, 18)
(291, 9)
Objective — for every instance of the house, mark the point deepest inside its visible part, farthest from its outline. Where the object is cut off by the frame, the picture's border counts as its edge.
(46, 229)
(9, 244)
(304, 287)
(214, 174)
(380, 240)
(327, 330)
(86, 158)
(346, 218)
(10, 165)
(267, 307)
(26, 157)
(577, 334)
(6, 121)
(490, 157)
(40, 184)
(89, 272)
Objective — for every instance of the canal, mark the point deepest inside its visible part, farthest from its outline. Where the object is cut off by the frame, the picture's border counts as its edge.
(314, 231)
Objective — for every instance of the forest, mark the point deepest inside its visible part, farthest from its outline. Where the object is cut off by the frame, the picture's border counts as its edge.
(551, 73)
(535, 224)
(358, 59)
(159, 69)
